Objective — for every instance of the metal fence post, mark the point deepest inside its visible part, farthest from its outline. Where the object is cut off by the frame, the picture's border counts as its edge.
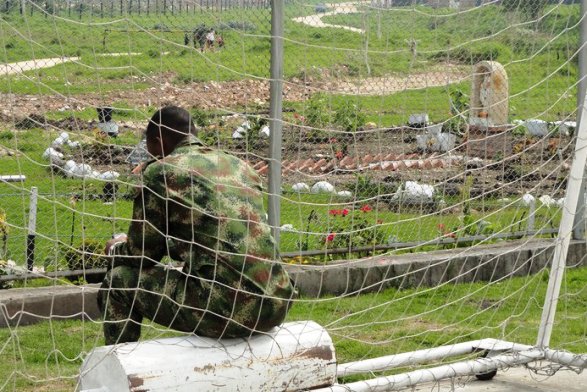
(579, 221)
(30, 240)
(275, 117)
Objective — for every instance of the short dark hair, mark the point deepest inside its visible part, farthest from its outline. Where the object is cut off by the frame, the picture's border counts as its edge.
(171, 123)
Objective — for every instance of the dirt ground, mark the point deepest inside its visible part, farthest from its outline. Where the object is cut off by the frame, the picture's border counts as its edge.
(511, 167)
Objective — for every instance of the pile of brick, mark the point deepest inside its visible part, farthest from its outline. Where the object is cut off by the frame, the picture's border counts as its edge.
(387, 162)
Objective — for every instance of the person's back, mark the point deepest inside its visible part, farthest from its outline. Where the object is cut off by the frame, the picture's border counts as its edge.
(203, 207)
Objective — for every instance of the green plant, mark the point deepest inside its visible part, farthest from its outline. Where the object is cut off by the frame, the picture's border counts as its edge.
(316, 112)
(3, 235)
(86, 256)
(304, 244)
(349, 115)
(200, 117)
(529, 8)
(353, 229)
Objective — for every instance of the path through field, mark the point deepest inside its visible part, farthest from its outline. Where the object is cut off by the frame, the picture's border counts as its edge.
(340, 8)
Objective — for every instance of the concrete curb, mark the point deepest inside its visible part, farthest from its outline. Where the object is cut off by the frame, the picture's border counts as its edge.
(427, 269)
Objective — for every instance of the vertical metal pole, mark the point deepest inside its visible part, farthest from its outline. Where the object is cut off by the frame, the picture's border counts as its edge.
(30, 240)
(565, 232)
(275, 120)
(579, 222)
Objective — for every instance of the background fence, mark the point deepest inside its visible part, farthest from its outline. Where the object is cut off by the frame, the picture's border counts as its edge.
(405, 127)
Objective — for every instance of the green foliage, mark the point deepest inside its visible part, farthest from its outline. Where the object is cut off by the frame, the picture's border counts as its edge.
(200, 117)
(459, 108)
(529, 8)
(349, 115)
(317, 113)
(6, 135)
(350, 229)
(87, 256)
(476, 52)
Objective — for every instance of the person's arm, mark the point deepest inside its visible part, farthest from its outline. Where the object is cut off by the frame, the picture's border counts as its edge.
(145, 244)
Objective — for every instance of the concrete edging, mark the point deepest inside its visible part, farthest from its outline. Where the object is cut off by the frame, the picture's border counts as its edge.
(26, 306)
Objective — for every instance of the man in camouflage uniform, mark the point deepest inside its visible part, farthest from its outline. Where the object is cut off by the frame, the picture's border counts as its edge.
(204, 207)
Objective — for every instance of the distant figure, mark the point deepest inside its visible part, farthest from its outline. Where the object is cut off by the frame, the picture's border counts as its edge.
(210, 38)
(220, 41)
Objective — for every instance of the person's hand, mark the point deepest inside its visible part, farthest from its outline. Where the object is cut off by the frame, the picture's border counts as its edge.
(116, 238)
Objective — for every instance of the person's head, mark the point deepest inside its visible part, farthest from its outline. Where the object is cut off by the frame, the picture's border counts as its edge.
(167, 128)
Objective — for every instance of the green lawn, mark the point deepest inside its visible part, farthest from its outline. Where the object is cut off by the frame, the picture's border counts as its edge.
(47, 356)
(538, 56)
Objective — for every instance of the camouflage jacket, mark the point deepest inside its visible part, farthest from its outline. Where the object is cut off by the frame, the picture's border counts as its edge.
(204, 207)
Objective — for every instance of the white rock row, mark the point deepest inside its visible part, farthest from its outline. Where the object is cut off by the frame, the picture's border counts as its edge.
(300, 187)
(323, 187)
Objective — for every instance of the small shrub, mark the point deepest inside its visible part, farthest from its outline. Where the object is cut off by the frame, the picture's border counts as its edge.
(88, 255)
(317, 114)
(485, 51)
(349, 116)
(6, 135)
(153, 53)
(239, 25)
(161, 27)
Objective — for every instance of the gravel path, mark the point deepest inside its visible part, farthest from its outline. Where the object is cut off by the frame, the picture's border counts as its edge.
(340, 8)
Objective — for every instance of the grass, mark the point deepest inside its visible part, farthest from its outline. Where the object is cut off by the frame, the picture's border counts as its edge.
(539, 62)
(47, 356)
(69, 211)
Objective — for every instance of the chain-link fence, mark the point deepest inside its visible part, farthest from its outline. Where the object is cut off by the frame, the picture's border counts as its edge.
(406, 125)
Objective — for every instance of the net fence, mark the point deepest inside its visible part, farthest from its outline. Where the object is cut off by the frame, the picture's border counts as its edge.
(425, 157)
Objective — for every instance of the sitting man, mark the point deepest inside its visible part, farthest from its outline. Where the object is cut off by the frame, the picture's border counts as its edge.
(203, 207)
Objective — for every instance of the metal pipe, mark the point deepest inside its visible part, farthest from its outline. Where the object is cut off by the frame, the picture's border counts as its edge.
(32, 229)
(579, 221)
(434, 374)
(426, 355)
(574, 189)
(275, 118)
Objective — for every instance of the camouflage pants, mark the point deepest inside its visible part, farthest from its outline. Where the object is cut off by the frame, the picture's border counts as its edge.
(213, 308)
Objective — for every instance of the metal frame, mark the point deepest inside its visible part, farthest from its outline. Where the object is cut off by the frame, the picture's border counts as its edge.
(501, 354)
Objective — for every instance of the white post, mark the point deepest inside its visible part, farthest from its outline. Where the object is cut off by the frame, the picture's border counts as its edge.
(565, 233)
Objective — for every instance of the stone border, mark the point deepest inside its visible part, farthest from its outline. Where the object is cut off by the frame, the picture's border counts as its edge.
(426, 269)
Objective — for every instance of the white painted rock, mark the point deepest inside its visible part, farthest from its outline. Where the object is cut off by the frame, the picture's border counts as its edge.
(69, 165)
(109, 175)
(82, 170)
(51, 153)
(413, 192)
(536, 127)
(547, 200)
(265, 131)
(323, 187)
(64, 136)
(73, 144)
(300, 187)
(58, 142)
(237, 135)
(345, 193)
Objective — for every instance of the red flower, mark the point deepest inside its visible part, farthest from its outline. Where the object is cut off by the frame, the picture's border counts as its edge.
(366, 208)
(339, 154)
(334, 212)
(330, 237)
(344, 212)
(441, 227)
